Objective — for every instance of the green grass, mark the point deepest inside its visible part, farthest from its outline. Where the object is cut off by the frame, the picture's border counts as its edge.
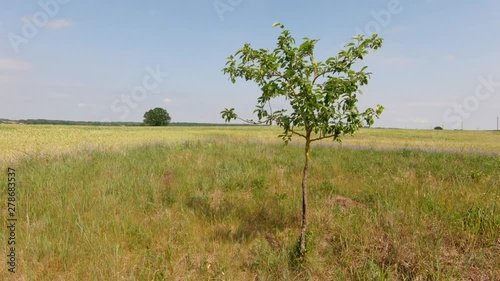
(230, 210)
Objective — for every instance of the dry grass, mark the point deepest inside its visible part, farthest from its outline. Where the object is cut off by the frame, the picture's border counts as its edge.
(230, 210)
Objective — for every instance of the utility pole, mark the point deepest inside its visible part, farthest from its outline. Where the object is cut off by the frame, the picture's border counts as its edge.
(498, 123)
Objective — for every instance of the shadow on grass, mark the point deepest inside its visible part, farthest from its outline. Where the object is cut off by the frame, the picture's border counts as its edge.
(242, 221)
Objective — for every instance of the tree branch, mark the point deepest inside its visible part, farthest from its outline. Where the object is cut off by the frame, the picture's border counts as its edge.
(324, 137)
(298, 134)
(279, 75)
(270, 110)
(332, 72)
(321, 74)
(315, 65)
(251, 121)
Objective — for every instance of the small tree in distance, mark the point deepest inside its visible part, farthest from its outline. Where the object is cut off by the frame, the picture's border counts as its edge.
(156, 117)
(322, 95)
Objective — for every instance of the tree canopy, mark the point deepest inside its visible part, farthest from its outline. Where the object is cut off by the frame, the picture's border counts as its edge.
(156, 117)
(322, 95)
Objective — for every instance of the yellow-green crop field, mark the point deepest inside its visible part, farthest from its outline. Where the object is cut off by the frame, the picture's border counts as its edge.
(224, 203)
(18, 141)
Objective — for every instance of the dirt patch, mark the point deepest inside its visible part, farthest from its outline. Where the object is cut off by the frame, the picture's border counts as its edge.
(216, 200)
(344, 202)
(168, 178)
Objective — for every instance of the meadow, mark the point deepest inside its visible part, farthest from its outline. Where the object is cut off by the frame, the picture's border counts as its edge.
(223, 203)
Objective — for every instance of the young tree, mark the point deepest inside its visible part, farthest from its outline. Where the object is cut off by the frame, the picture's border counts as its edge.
(156, 117)
(322, 95)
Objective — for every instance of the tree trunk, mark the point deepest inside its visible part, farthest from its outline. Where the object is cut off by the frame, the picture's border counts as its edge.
(304, 198)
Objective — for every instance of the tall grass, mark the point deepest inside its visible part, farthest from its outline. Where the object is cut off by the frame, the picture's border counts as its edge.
(224, 210)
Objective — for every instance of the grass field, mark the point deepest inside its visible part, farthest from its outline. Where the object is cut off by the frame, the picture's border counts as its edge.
(21, 141)
(223, 203)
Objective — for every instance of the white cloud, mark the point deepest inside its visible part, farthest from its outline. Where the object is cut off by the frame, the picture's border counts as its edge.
(81, 105)
(4, 79)
(59, 24)
(167, 101)
(450, 57)
(13, 64)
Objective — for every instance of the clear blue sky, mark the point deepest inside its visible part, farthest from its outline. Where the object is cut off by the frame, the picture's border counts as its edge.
(84, 59)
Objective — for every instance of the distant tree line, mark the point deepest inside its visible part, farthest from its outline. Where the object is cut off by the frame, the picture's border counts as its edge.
(67, 122)
(92, 123)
